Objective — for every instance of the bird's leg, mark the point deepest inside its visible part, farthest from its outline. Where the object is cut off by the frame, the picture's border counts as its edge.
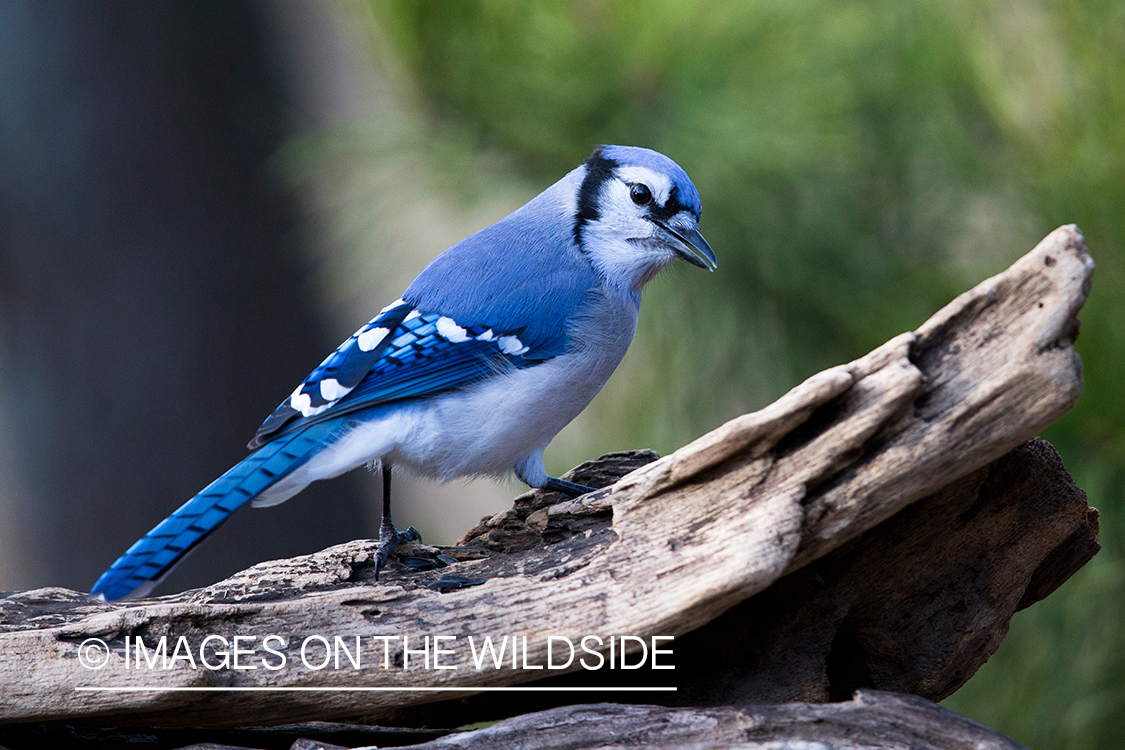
(389, 536)
(567, 488)
(531, 472)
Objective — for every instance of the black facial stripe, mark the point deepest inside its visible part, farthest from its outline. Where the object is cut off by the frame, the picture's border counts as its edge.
(671, 207)
(599, 169)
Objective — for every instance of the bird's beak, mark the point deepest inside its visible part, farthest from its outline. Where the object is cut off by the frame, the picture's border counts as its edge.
(689, 244)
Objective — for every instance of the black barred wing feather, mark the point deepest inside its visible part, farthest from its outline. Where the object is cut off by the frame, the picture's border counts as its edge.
(401, 354)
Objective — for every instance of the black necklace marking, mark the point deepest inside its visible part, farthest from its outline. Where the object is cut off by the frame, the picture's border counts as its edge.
(599, 170)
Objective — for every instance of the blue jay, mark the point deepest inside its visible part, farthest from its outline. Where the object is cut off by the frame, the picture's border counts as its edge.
(498, 344)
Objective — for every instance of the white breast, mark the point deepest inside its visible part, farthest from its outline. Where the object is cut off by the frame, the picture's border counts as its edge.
(491, 427)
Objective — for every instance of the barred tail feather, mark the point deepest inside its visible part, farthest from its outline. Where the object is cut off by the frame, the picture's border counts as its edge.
(153, 557)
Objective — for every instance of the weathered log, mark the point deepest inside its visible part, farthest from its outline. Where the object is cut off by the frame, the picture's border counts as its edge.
(872, 720)
(914, 605)
(662, 552)
(310, 736)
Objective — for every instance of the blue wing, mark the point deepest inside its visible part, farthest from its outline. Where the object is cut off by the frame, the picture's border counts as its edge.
(339, 373)
(423, 355)
(495, 300)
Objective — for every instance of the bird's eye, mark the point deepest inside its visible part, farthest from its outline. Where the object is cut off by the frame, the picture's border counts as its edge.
(640, 194)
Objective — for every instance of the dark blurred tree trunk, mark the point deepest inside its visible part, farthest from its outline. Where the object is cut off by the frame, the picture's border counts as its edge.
(154, 299)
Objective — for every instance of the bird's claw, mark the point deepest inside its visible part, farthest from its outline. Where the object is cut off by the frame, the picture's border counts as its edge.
(389, 538)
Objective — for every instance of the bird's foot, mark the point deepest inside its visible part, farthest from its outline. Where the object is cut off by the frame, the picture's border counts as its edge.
(389, 538)
(567, 488)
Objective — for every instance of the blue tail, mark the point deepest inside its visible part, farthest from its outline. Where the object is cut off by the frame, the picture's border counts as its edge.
(146, 563)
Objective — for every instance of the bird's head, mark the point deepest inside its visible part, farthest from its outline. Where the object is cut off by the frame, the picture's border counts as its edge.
(637, 211)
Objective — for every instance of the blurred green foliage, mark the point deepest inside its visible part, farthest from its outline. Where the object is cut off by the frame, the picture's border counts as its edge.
(860, 164)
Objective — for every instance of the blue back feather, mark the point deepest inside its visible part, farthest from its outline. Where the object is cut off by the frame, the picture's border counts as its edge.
(523, 274)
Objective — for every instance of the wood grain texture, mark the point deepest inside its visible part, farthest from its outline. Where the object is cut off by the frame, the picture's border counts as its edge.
(663, 551)
(870, 721)
(915, 605)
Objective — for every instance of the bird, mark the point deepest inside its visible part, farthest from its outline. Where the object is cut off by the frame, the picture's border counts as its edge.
(498, 343)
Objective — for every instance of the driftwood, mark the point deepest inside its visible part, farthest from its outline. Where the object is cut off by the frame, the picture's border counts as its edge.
(914, 605)
(871, 721)
(800, 522)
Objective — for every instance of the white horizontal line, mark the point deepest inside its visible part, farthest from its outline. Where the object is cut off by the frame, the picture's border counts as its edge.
(249, 689)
